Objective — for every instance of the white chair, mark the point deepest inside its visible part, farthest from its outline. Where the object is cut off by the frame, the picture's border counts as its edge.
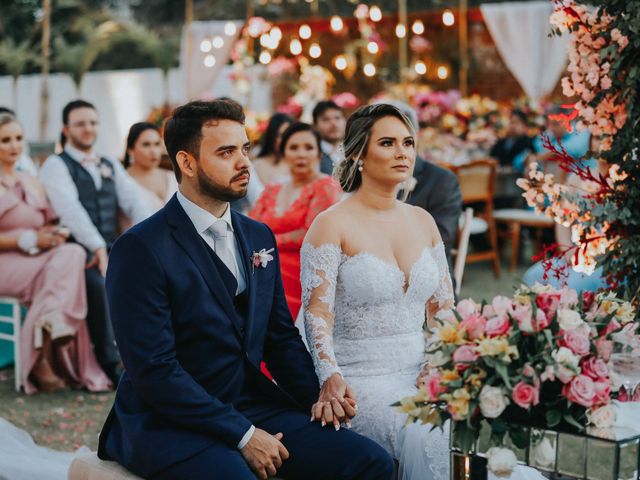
(14, 320)
(464, 232)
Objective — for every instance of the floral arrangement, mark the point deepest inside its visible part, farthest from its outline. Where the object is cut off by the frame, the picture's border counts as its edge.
(158, 115)
(256, 124)
(539, 358)
(605, 79)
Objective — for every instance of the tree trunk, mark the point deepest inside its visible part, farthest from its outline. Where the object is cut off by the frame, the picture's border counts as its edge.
(44, 86)
(165, 87)
(15, 95)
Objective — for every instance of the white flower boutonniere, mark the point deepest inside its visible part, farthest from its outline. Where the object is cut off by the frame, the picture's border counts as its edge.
(261, 258)
(106, 171)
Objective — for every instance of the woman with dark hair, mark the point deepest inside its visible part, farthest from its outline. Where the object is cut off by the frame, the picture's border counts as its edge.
(267, 164)
(142, 159)
(289, 208)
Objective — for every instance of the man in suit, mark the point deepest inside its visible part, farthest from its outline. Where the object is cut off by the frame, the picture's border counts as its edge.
(197, 303)
(330, 122)
(435, 189)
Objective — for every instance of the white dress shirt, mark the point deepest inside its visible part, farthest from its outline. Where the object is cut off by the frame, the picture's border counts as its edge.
(202, 220)
(332, 150)
(63, 195)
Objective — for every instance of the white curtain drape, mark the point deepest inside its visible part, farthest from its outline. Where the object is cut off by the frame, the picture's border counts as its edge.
(520, 31)
(196, 56)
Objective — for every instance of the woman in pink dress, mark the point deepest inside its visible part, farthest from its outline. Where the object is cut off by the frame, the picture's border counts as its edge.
(289, 208)
(47, 275)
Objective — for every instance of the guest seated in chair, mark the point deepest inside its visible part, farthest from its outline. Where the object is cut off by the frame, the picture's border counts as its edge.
(516, 141)
(45, 273)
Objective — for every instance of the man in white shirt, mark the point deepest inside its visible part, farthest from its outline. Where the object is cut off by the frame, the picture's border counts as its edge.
(86, 190)
(330, 122)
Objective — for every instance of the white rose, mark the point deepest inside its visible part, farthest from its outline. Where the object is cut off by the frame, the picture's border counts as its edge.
(602, 417)
(543, 453)
(569, 319)
(564, 356)
(437, 358)
(501, 461)
(493, 401)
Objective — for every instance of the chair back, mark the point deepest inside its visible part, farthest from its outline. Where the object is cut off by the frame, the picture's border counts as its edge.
(464, 232)
(477, 180)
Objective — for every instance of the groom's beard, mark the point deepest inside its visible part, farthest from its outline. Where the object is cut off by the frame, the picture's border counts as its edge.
(224, 194)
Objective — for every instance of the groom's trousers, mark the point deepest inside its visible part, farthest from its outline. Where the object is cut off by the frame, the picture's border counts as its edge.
(314, 453)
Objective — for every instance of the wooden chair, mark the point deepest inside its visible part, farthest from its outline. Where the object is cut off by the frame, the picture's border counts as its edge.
(460, 252)
(477, 184)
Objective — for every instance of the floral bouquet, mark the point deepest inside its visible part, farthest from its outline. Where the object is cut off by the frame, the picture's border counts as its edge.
(539, 359)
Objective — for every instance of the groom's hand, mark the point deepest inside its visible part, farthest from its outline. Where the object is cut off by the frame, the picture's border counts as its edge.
(336, 402)
(264, 453)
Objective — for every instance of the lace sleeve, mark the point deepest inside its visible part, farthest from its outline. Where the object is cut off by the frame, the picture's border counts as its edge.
(318, 272)
(442, 300)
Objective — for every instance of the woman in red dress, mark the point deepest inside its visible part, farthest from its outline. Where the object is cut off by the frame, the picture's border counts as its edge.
(289, 208)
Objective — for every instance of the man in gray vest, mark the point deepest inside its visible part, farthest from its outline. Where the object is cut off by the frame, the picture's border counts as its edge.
(86, 190)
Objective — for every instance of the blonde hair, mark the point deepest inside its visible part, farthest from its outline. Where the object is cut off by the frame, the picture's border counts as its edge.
(356, 141)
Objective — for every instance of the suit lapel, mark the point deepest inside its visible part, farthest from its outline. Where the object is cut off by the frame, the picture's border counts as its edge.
(188, 238)
(245, 253)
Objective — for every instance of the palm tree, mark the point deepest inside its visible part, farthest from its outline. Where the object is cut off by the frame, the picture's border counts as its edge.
(15, 58)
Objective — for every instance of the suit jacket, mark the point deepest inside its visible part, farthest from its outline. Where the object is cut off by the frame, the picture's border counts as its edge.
(189, 357)
(437, 191)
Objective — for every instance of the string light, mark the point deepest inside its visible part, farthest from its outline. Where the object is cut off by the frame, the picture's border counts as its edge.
(401, 30)
(314, 50)
(276, 34)
(336, 23)
(209, 61)
(304, 31)
(205, 46)
(369, 69)
(340, 62)
(443, 72)
(230, 29)
(418, 27)
(448, 18)
(375, 14)
(265, 57)
(217, 42)
(295, 47)
(265, 40)
(420, 68)
(362, 10)
(372, 47)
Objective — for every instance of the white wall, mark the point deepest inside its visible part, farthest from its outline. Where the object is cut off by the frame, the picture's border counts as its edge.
(122, 98)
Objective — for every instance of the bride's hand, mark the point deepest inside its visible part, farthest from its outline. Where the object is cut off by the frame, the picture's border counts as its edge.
(336, 403)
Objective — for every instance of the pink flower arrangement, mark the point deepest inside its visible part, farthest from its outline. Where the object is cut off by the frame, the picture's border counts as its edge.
(541, 355)
(346, 100)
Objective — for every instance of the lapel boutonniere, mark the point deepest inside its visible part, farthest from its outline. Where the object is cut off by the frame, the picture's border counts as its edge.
(261, 258)
(106, 171)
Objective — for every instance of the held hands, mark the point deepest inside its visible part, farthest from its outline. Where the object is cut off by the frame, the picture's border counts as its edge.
(264, 453)
(336, 403)
(50, 237)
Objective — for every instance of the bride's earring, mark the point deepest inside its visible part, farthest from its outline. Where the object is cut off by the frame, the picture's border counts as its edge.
(360, 164)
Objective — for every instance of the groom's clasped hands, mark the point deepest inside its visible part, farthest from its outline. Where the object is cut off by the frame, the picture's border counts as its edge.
(336, 403)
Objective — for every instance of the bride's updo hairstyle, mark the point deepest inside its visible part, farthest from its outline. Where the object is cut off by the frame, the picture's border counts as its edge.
(356, 141)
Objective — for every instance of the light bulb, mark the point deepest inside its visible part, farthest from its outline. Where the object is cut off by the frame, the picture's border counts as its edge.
(443, 72)
(265, 57)
(276, 34)
(209, 61)
(448, 18)
(230, 29)
(418, 27)
(336, 23)
(401, 30)
(375, 14)
(217, 42)
(205, 46)
(340, 62)
(304, 31)
(314, 50)
(369, 69)
(372, 47)
(295, 47)
(420, 68)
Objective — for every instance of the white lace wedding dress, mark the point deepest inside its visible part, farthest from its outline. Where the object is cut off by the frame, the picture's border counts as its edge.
(364, 320)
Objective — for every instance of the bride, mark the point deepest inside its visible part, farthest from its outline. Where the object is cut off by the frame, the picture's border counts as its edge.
(373, 271)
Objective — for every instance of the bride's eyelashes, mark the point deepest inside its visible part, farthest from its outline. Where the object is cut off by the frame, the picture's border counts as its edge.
(388, 142)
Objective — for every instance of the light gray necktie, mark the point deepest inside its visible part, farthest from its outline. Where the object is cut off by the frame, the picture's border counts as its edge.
(222, 239)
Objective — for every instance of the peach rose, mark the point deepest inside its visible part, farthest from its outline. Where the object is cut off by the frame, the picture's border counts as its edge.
(474, 325)
(580, 390)
(464, 356)
(576, 342)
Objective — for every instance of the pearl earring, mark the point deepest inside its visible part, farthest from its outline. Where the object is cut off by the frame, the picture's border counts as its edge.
(360, 164)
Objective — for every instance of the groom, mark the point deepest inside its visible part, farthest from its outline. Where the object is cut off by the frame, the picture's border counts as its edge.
(197, 302)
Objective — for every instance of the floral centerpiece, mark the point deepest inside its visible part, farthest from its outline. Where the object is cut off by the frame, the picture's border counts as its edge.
(538, 359)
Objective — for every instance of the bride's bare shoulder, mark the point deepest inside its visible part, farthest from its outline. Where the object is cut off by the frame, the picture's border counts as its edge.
(328, 226)
(424, 220)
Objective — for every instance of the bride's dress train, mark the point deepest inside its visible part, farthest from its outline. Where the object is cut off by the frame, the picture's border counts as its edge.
(364, 320)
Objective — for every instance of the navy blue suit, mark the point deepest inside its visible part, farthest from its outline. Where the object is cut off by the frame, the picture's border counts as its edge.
(192, 386)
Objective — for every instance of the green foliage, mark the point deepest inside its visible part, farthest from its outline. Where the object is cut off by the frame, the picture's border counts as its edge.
(16, 57)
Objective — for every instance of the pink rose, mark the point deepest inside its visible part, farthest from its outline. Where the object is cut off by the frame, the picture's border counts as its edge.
(464, 356)
(433, 384)
(466, 307)
(580, 390)
(605, 348)
(542, 320)
(603, 392)
(524, 316)
(613, 326)
(576, 342)
(474, 325)
(596, 368)
(497, 326)
(548, 302)
(525, 395)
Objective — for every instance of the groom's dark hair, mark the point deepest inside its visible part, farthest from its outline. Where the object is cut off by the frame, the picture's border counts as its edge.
(183, 130)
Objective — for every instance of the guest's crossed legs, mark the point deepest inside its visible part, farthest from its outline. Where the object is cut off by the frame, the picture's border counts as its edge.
(314, 453)
(98, 321)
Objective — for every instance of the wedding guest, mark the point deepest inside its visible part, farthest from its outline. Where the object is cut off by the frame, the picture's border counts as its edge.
(86, 190)
(289, 208)
(330, 122)
(25, 163)
(515, 142)
(142, 160)
(268, 163)
(45, 273)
